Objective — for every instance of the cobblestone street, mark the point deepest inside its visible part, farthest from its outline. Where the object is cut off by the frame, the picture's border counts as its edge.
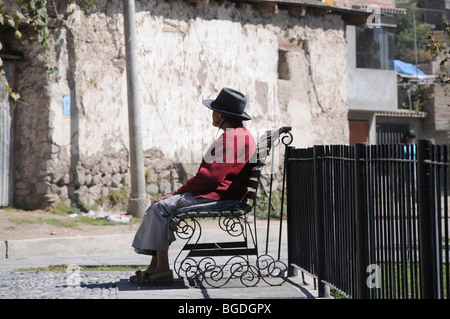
(60, 285)
(74, 284)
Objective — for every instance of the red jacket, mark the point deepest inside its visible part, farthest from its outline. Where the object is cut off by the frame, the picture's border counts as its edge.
(224, 170)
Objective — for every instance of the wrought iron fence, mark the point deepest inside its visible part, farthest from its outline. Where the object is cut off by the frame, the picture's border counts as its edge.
(371, 221)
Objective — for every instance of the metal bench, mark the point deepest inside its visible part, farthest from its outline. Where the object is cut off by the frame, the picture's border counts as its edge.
(217, 262)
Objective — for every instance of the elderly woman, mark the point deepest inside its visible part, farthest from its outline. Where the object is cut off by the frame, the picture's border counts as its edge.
(218, 183)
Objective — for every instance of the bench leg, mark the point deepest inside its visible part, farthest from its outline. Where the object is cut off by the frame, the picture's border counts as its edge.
(217, 263)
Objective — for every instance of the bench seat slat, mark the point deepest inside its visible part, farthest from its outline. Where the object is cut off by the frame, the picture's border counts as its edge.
(222, 252)
(220, 245)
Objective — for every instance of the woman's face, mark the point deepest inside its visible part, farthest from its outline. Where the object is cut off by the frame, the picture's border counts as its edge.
(217, 119)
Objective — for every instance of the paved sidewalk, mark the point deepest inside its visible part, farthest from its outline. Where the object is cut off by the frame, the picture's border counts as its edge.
(115, 250)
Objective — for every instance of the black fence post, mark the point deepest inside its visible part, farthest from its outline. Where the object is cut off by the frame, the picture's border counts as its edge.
(362, 234)
(318, 219)
(290, 226)
(428, 232)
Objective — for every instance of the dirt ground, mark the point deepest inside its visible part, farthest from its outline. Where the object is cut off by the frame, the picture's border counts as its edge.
(31, 224)
(17, 224)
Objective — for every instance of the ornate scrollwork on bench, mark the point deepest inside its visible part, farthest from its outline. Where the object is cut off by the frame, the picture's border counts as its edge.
(216, 263)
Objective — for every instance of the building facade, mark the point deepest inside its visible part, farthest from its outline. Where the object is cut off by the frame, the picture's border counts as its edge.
(377, 91)
(71, 139)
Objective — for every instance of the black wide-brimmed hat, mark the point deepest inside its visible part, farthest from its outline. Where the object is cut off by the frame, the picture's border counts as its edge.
(230, 103)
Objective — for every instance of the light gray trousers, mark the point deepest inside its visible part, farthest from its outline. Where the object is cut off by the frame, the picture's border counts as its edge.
(155, 233)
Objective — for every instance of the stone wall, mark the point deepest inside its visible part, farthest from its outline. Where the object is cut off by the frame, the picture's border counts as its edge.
(293, 70)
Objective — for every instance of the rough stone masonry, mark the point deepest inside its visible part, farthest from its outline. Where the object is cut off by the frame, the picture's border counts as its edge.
(72, 131)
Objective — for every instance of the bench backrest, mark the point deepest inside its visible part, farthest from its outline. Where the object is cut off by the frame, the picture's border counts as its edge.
(258, 162)
(265, 144)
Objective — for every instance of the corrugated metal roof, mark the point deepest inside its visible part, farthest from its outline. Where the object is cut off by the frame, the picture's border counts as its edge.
(402, 113)
(386, 10)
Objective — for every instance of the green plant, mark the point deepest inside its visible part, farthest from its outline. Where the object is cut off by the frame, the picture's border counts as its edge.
(262, 204)
(404, 41)
(67, 222)
(70, 223)
(34, 14)
(158, 181)
(119, 196)
(417, 98)
(60, 208)
(147, 174)
(87, 207)
(439, 45)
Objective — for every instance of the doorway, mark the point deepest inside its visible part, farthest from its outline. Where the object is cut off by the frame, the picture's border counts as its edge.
(359, 131)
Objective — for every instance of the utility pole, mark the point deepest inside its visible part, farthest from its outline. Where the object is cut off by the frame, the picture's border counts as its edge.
(415, 39)
(138, 202)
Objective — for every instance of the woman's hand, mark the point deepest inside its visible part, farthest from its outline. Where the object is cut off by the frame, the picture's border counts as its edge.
(162, 197)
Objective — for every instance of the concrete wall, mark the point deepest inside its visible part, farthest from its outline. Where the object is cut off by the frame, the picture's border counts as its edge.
(187, 52)
(369, 89)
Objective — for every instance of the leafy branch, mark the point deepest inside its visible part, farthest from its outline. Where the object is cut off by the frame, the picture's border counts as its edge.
(34, 14)
(437, 46)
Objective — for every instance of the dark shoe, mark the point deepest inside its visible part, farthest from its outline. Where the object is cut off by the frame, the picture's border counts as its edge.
(139, 275)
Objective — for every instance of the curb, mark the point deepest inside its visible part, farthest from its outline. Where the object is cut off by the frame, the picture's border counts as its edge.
(64, 246)
(93, 245)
